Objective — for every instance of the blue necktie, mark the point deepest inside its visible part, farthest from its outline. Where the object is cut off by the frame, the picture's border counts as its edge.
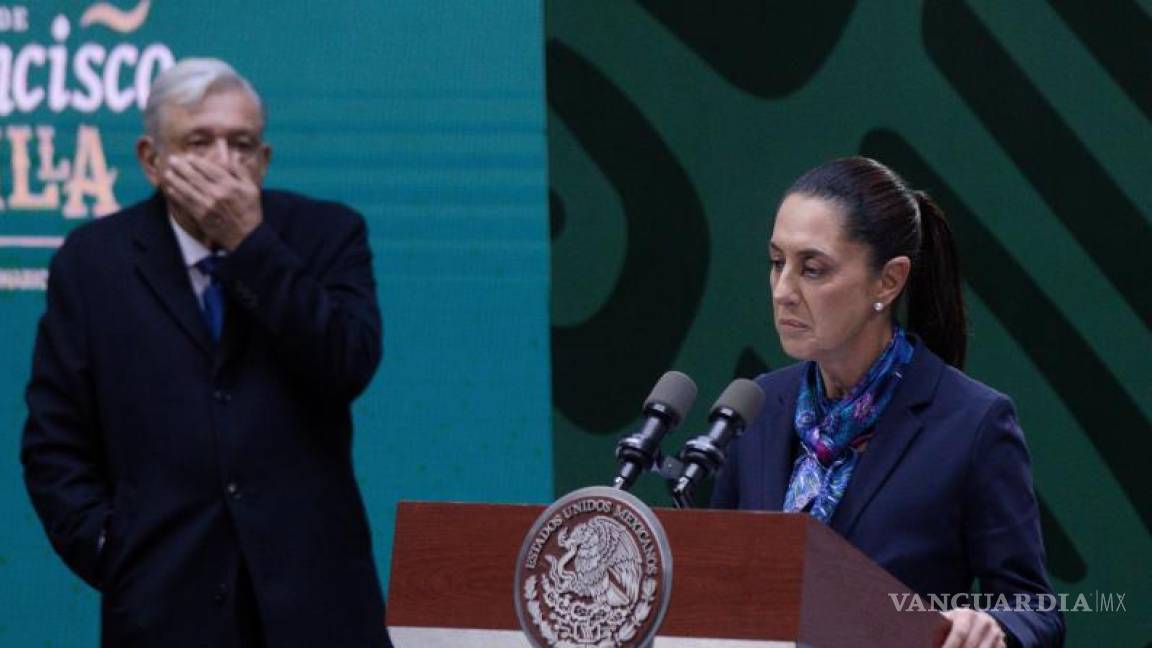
(213, 300)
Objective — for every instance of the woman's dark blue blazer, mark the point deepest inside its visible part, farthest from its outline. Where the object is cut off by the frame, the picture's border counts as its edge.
(942, 495)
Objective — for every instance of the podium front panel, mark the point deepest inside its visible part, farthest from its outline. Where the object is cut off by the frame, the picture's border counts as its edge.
(741, 579)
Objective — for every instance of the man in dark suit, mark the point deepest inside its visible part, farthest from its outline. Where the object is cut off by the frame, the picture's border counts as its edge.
(188, 442)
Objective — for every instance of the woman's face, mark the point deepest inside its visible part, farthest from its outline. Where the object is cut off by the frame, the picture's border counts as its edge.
(823, 284)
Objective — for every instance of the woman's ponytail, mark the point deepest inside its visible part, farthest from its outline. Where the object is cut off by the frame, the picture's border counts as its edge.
(935, 298)
(884, 213)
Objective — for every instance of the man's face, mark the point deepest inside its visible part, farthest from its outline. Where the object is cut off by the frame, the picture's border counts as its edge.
(225, 128)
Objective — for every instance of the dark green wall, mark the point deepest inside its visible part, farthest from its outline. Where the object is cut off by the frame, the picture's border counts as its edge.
(673, 127)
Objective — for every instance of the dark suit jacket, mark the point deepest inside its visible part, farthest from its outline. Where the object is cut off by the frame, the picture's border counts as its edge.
(193, 456)
(942, 494)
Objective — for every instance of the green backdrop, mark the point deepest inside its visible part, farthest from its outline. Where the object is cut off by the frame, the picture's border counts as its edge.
(674, 126)
(658, 135)
(428, 117)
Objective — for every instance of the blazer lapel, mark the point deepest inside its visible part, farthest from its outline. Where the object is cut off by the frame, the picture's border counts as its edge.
(159, 263)
(779, 443)
(233, 337)
(778, 454)
(238, 323)
(895, 431)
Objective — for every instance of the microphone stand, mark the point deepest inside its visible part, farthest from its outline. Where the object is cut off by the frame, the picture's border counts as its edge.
(702, 456)
(683, 500)
(671, 468)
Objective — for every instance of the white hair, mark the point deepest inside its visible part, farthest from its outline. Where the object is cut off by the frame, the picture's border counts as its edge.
(186, 84)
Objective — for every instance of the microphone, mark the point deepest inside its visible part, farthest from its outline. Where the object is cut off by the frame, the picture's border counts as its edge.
(737, 406)
(670, 399)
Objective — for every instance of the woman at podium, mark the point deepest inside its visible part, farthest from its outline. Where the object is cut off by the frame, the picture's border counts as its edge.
(877, 432)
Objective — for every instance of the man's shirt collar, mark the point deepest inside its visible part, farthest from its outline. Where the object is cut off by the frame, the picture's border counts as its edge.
(191, 249)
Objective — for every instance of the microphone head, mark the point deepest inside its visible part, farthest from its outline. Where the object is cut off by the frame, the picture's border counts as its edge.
(673, 395)
(743, 397)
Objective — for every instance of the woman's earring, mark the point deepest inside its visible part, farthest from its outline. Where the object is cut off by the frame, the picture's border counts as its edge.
(878, 306)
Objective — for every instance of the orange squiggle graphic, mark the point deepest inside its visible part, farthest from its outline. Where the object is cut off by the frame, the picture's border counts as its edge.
(115, 18)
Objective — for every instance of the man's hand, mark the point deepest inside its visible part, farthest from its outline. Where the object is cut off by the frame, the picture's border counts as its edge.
(221, 199)
(973, 629)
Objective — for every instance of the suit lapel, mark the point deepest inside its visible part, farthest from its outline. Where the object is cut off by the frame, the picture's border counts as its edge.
(237, 322)
(895, 432)
(233, 337)
(160, 264)
(777, 441)
(778, 452)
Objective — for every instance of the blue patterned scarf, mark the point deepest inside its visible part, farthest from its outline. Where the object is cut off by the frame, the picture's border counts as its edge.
(833, 433)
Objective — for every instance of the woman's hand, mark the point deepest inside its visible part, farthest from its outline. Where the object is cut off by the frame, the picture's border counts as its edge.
(973, 629)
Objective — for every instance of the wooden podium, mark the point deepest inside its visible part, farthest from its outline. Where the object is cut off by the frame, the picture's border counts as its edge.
(740, 580)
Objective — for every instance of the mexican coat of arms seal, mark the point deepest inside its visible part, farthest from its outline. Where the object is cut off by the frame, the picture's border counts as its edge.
(593, 572)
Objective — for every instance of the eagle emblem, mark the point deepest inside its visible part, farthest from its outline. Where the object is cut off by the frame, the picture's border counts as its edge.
(591, 583)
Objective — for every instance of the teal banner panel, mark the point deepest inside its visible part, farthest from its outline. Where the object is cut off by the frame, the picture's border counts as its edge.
(675, 125)
(427, 117)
